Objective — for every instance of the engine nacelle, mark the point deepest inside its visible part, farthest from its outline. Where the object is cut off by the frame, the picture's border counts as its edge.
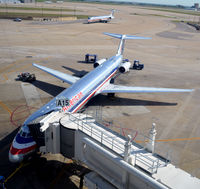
(99, 62)
(124, 67)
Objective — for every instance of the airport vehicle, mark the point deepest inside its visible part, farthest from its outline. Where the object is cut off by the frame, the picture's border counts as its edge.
(98, 81)
(26, 77)
(137, 65)
(103, 19)
(17, 19)
(90, 58)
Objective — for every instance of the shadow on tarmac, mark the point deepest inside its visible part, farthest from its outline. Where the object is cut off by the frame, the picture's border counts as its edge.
(49, 88)
(84, 62)
(102, 100)
(75, 72)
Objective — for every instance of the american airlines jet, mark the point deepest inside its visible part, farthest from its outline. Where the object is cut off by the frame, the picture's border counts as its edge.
(98, 81)
(104, 19)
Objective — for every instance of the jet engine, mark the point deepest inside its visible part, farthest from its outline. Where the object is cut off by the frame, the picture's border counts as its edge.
(124, 67)
(99, 62)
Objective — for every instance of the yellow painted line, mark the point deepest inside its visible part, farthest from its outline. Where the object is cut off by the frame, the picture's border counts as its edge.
(28, 65)
(17, 169)
(170, 140)
(5, 77)
(38, 61)
(12, 64)
(61, 173)
(22, 67)
(3, 69)
(5, 107)
(178, 139)
(19, 68)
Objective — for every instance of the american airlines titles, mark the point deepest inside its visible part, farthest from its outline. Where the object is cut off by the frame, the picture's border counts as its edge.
(73, 101)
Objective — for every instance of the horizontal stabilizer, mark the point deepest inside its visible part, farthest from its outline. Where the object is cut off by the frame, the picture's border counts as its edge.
(62, 76)
(125, 89)
(122, 41)
(119, 36)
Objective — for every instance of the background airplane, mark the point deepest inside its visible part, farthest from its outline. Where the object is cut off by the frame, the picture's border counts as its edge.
(96, 82)
(104, 19)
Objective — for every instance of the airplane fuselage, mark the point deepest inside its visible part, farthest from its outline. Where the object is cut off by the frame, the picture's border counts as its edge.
(80, 92)
(100, 19)
(78, 95)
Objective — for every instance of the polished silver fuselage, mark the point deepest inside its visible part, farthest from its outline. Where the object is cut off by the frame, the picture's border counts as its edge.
(85, 88)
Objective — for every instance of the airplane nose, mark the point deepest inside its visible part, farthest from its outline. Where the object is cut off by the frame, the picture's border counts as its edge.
(15, 158)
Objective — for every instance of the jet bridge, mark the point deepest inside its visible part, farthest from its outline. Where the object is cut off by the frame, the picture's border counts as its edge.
(115, 161)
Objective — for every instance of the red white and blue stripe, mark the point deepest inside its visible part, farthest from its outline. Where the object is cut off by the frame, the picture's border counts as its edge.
(22, 145)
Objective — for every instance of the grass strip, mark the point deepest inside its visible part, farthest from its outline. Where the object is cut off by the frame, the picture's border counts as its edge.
(25, 15)
(176, 11)
(37, 8)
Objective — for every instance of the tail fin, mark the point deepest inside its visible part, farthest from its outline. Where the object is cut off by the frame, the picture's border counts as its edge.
(112, 13)
(122, 42)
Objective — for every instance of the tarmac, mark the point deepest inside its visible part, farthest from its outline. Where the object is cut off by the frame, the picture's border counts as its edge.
(171, 59)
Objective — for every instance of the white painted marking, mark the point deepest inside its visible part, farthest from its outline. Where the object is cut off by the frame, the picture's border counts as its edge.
(31, 95)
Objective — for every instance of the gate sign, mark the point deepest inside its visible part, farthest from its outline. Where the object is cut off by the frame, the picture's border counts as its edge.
(62, 101)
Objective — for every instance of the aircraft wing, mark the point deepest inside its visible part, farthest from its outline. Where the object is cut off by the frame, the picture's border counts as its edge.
(62, 76)
(125, 89)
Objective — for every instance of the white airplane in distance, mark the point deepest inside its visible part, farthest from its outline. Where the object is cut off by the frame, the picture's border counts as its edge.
(96, 82)
(104, 19)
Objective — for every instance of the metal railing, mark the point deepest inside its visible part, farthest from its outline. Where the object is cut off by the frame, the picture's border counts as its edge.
(87, 127)
(151, 165)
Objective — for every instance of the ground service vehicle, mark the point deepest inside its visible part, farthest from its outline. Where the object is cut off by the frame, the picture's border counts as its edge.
(26, 77)
(17, 19)
(137, 65)
(90, 58)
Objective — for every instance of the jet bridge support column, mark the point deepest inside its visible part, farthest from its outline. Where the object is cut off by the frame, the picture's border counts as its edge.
(127, 153)
(67, 137)
(152, 136)
(51, 128)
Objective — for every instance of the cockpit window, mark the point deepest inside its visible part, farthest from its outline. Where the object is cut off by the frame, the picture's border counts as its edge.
(24, 134)
(21, 132)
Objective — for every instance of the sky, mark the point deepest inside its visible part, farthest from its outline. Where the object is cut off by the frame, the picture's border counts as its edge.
(167, 2)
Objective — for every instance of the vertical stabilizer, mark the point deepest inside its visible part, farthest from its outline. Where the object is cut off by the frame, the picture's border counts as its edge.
(121, 45)
(112, 13)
